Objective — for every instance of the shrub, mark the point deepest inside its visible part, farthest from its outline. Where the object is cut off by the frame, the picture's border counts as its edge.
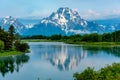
(21, 46)
(88, 74)
(24, 47)
(17, 45)
(106, 73)
(1, 45)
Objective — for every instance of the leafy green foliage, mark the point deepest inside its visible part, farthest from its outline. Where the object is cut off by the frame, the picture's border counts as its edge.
(88, 74)
(1, 45)
(21, 46)
(107, 73)
(8, 38)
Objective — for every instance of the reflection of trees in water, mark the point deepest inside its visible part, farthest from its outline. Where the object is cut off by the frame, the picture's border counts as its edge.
(115, 50)
(12, 63)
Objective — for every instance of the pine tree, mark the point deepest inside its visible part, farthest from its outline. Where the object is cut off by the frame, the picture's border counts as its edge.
(11, 32)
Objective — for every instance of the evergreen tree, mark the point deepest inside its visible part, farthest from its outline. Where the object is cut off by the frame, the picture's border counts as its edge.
(11, 32)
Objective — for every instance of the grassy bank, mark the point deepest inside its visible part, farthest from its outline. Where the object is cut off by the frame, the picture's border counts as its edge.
(95, 43)
(36, 40)
(41, 40)
(10, 53)
(70, 42)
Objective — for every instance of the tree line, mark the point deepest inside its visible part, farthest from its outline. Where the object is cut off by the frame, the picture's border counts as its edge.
(94, 37)
(9, 41)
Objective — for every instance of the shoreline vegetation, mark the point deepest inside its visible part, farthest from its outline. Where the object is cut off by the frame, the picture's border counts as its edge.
(10, 43)
(96, 43)
(110, 72)
(78, 43)
(10, 53)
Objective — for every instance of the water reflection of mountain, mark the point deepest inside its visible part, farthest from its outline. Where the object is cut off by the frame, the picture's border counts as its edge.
(12, 63)
(64, 57)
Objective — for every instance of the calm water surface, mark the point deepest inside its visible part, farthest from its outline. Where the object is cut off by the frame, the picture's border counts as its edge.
(55, 61)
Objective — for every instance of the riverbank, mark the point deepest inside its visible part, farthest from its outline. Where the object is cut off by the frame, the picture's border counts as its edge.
(10, 53)
(36, 40)
(96, 43)
(70, 42)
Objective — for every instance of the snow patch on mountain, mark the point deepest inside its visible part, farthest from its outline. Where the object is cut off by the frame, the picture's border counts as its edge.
(9, 20)
(29, 25)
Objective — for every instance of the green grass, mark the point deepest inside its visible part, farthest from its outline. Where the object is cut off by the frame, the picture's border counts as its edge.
(95, 43)
(40, 40)
(10, 53)
(36, 40)
(70, 42)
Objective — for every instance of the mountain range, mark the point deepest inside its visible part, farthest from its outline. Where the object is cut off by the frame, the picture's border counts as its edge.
(64, 21)
(9, 20)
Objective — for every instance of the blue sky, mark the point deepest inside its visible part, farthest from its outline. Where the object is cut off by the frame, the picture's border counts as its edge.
(88, 9)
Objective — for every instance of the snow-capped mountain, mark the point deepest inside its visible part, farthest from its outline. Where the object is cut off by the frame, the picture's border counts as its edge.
(9, 20)
(67, 22)
(64, 21)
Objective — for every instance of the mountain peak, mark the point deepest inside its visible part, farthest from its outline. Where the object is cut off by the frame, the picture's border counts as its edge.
(66, 10)
(63, 16)
(68, 22)
(63, 9)
(68, 13)
(8, 17)
(9, 20)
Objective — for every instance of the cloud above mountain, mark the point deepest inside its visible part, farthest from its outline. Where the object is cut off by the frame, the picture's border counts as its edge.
(92, 14)
(90, 8)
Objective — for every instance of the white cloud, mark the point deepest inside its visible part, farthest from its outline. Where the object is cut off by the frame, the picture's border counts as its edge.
(91, 14)
(39, 13)
(90, 11)
(116, 12)
(76, 9)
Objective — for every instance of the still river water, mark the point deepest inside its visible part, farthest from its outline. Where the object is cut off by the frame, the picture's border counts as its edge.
(56, 61)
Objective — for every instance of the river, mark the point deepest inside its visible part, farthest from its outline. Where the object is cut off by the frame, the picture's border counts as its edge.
(56, 61)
